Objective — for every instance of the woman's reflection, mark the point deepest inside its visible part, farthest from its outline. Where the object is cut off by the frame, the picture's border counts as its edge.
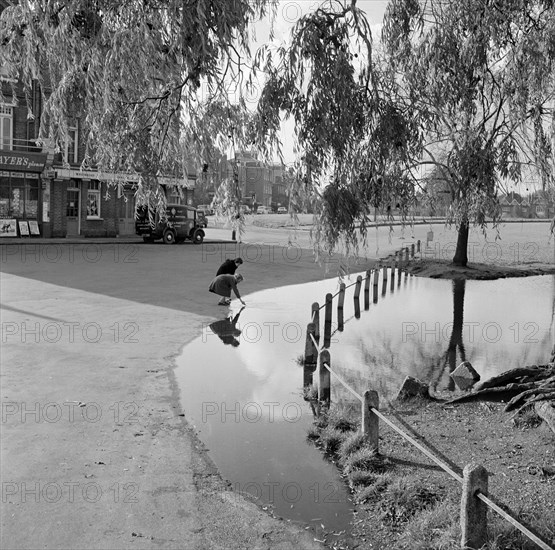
(227, 329)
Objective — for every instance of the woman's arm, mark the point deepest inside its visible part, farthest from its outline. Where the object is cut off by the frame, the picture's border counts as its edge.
(236, 290)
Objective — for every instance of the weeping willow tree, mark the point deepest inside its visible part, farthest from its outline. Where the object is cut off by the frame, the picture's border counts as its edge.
(467, 87)
(139, 74)
(480, 76)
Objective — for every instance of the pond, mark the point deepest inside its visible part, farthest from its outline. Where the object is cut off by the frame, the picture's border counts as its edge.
(426, 327)
(241, 381)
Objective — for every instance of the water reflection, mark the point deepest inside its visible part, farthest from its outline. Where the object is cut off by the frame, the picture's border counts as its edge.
(227, 329)
(431, 326)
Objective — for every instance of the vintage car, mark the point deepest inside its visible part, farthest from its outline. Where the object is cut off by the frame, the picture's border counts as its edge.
(263, 210)
(180, 222)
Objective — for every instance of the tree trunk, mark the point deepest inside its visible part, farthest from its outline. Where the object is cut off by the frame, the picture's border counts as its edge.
(461, 253)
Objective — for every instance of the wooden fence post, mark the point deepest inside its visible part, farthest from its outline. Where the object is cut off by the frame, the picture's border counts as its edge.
(384, 280)
(316, 320)
(474, 524)
(367, 291)
(324, 377)
(327, 320)
(310, 356)
(370, 426)
(392, 286)
(376, 275)
(340, 301)
(356, 296)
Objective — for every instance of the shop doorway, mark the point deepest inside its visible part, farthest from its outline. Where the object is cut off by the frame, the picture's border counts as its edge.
(127, 213)
(73, 212)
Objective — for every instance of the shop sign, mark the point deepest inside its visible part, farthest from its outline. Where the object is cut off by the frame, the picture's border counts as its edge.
(25, 162)
(92, 175)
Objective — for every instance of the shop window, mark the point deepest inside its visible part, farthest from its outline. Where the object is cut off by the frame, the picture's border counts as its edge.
(6, 125)
(4, 196)
(19, 195)
(93, 200)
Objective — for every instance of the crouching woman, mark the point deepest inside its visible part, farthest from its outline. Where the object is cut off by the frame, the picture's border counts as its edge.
(222, 285)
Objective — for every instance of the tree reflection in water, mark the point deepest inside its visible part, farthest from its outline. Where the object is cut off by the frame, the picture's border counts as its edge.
(456, 340)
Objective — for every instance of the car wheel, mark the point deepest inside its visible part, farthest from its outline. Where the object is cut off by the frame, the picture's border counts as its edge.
(198, 236)
(169, 236)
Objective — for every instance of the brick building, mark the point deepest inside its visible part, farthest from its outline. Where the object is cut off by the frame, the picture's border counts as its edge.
(43, 192)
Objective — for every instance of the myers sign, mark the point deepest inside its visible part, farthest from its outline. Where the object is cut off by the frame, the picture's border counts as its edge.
(26, 162)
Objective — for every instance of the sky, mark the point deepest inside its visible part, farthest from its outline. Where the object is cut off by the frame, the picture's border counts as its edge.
(287, 15)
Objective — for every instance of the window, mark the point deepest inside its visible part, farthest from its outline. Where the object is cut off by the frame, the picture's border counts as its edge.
(93, 199)
(71, 151)
(6, 125)
(19, 194)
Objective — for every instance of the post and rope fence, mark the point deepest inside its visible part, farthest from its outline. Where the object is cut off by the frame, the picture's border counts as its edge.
(474, 480)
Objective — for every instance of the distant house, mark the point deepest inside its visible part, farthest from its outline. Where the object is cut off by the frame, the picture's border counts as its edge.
(511, 205)
(538, 204)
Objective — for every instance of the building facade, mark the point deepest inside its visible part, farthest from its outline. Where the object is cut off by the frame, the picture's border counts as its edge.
(46, 193)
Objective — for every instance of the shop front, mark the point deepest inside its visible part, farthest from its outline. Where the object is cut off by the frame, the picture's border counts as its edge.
(21, 197)
(89, 203)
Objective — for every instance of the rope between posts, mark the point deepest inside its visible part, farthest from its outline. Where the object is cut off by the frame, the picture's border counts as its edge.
(440, 463)
(344, 322)
(344, 383)
(316, 344)
(513, 521)
(339, 291)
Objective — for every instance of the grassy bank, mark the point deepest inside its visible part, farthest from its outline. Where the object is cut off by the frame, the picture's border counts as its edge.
(404, 501)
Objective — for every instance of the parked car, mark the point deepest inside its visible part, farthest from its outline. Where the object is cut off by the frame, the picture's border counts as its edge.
(179, 223)
(263, 210)
(205, 209)
(282, 210)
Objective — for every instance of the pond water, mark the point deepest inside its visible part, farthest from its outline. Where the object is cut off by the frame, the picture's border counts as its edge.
(241, 382)
(426, 327)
